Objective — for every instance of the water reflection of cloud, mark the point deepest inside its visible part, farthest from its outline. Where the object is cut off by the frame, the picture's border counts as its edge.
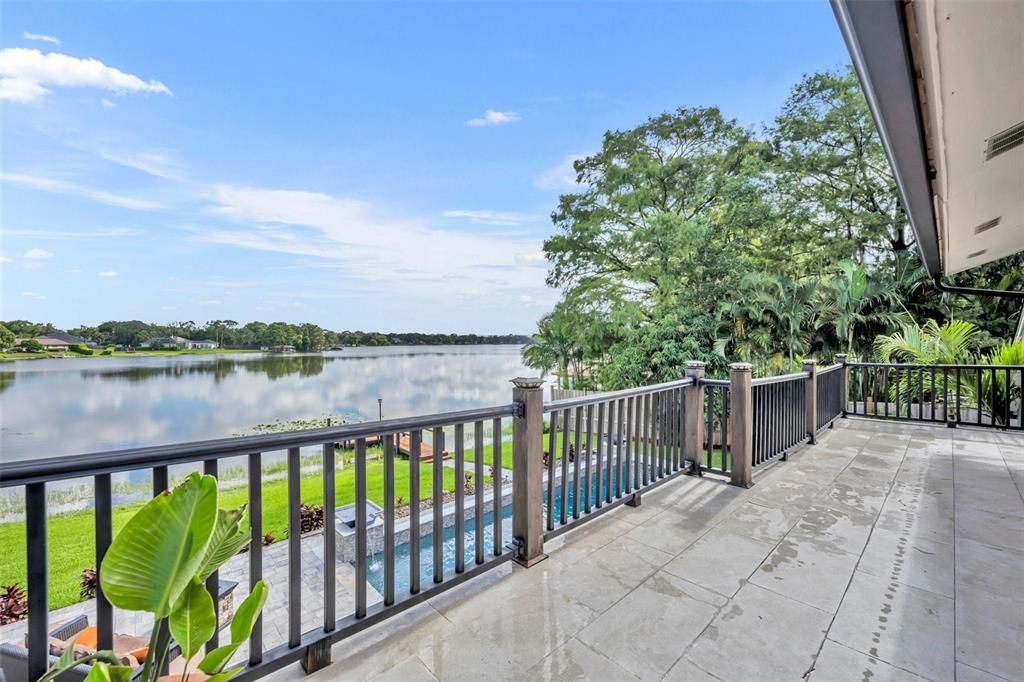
(68, 406)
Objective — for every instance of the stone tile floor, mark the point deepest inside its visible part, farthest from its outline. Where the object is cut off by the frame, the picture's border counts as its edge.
(885, 552)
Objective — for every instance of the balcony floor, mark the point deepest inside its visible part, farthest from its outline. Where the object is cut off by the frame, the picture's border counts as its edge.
(886, 551)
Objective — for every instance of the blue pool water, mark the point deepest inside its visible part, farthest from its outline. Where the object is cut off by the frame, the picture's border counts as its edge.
(375, 566)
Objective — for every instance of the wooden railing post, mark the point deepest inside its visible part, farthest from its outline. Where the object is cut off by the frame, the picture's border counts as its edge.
(844, 383)
(811, 398)
(693, 409)
(527, 470)
(741, 423)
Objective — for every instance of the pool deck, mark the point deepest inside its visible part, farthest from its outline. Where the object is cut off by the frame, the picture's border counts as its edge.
(887, 551)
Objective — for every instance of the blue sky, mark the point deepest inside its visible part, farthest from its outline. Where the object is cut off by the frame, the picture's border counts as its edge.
(375, 166)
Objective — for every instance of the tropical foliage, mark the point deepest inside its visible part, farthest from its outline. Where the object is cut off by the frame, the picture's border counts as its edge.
(159, 563)
(691, 237)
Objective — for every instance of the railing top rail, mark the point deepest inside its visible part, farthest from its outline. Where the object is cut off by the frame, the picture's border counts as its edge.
(76, 466)
(780, 379)
(936, 366)
(594, 398)
(830, 368)
(715, 382)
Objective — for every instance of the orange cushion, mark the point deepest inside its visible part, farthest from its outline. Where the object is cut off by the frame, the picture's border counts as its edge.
(86, 637)
(140, 653)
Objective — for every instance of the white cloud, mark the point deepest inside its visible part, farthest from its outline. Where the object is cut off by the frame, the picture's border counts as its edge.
(33, 295)
(25, 73)
(533, 259)
(69, 188)
(493, 118)
(19, 90)
(160, 163)
(5, 259)
(561, 176)
(491, 217)
(107, 104)
(37, 254)
(107, 273)
(40, 38)
(366, 243)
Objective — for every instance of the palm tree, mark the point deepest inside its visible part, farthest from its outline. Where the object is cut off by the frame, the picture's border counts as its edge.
(949, 344)
(855, 302)
(553, 345)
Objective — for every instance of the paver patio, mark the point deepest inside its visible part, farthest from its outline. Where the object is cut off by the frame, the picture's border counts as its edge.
(886, 552)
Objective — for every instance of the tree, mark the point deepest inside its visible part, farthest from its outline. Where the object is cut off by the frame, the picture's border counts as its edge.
(951, 343)
(553, 346)
(832, 179)
(32, 346)
(7, 338)
(654, 197)
(855, 303)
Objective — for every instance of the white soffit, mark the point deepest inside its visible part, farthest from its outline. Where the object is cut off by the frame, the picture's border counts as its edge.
(971, 53)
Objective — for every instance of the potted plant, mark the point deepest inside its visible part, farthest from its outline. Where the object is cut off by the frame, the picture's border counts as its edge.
(159, 563)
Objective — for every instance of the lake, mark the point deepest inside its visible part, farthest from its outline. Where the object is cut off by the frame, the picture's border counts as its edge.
(68, 406)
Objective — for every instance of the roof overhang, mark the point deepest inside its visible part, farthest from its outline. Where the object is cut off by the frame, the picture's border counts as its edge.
(944, 79)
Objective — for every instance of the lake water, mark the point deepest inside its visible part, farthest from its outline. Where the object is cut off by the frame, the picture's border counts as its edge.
(68, 406)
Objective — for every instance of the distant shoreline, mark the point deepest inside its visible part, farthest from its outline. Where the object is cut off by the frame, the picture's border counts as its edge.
(10, 357)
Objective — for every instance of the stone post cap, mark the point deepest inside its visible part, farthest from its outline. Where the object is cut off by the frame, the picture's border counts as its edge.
(810, 361)
(841, 356)
(528, 382)
(741, 367)
(694, 364)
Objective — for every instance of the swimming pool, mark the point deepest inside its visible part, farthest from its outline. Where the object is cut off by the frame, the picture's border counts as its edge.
(375, 562)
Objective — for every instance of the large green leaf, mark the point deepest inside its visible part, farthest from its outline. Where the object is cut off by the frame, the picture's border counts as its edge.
(241, 627)
(229, 536)
(102, 672)
(194, 619)
(158, 551)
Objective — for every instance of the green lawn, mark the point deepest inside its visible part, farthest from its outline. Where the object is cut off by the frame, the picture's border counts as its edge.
(71, 538)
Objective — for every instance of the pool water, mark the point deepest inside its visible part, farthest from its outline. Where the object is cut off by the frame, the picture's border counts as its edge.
(375, 565)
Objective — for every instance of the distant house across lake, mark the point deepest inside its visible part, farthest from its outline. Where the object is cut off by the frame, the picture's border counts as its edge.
(181, 343)
(282, 349)
(62, 341)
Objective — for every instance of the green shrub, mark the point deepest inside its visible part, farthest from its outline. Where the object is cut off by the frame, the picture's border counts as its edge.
(31, 346)
(107, 351)
(80, 349)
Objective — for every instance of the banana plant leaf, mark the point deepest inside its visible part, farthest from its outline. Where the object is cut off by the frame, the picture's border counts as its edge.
(154, 557)
(194, 619)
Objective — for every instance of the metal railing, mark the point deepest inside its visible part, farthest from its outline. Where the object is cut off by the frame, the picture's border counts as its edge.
(828, 389)
(779, 415)
(716, 429)
(975, 395)
(603, 449)
(36, 474)
(598, 451)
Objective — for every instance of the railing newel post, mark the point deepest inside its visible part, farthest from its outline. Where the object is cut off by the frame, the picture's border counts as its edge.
(527, 471)
(693, 415)
(844, 383)
(741, 418)
(811, 398)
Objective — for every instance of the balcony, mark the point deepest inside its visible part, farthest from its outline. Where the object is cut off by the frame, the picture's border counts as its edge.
(811, 547)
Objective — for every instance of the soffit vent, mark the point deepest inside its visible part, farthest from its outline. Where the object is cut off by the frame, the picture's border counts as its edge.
(977, 253)
(986, 226)
(1000, 143)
